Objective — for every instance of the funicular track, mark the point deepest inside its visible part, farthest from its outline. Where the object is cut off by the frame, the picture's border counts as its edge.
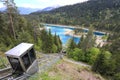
(46, 61)
(4, 73)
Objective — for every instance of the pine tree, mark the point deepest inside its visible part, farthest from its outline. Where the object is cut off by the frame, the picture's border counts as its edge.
(89, 41)
(49, 42)
(59, 43)
(11, 11)
(60, 40)
(71, 45)
(97, 67)
(81, 40)
(55, 40)
(43, 37)
(104, 64)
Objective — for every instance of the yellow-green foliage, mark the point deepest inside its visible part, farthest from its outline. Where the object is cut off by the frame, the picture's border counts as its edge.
(105, 37)
(3, 62)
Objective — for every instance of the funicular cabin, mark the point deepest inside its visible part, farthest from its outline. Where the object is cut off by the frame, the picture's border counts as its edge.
(23, 59)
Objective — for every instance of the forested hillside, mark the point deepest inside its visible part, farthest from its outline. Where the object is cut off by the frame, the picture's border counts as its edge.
(15, 29)
(22, 28)
(102, 14)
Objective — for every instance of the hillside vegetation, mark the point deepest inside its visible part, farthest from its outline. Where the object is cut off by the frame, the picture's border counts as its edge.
(16, 29)
(97, 14)
(102, 14)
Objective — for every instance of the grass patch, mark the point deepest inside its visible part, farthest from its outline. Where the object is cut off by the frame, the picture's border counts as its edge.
(105, 37)
(64, 70)
(45, 75)
(3, 61)
(35, 77)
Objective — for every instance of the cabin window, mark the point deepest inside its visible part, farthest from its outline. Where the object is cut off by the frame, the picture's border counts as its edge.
(15, 65)
(32, 55)
(26, 60)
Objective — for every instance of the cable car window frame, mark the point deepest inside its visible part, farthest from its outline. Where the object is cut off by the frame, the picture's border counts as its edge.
(18, 68)
(27, 59)
(32, 55)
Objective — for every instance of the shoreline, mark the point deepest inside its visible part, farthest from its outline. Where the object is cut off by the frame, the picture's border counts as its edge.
(99, 41)
(70, 26)
(71, 33)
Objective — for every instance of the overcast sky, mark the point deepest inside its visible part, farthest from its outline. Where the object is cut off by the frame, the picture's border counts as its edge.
(43, 3)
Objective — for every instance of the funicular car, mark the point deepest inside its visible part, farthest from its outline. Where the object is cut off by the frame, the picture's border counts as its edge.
(22, 59)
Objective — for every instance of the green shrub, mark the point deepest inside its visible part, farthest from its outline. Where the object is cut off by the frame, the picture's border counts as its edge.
(117, 76)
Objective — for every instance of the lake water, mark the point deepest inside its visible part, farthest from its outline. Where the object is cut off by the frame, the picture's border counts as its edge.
(64, 38)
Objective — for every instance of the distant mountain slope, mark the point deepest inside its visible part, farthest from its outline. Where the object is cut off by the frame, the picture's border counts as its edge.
(23, 10)
(102, 14)
(91, 5)
(46, 9)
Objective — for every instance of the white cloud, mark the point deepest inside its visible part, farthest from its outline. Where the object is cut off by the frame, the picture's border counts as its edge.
(44, 3)
(59, 2)
(68, 2)
(27, 5)
(1, 5)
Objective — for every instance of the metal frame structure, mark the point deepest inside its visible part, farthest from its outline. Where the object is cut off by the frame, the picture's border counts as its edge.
(23, 59)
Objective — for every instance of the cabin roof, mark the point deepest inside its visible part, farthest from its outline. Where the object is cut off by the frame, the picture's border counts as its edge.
(19, 49)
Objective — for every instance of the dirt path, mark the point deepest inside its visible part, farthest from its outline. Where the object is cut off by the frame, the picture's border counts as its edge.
(75, 62)
(70, 70)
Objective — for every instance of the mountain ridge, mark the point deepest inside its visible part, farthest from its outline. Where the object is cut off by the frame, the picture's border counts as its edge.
(27, 10)
(48, 9)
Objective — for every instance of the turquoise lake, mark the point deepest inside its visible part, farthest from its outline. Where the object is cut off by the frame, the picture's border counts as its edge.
(59, 30)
